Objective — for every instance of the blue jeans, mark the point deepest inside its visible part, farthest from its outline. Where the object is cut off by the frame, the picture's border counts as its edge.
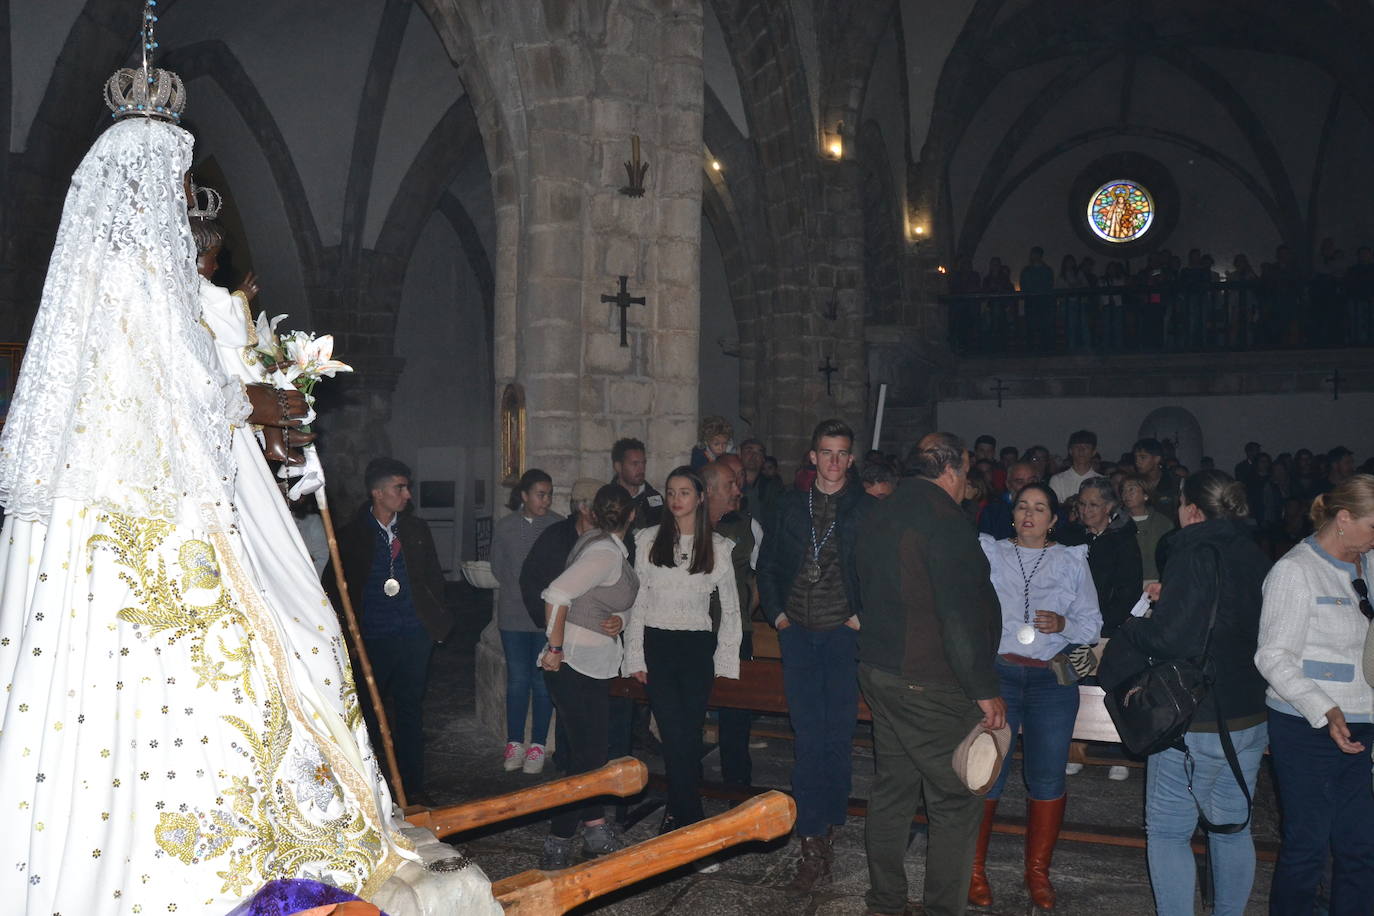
(820, 678)
(1171, 818)
(1045, 711)
(522, 679)
(1327, 809)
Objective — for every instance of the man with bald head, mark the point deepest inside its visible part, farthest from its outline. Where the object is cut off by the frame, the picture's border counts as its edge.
(996, 517)
(723, 491)
(927, 655)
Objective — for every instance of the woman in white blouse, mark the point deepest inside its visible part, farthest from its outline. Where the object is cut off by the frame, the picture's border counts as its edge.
(1314, 624)
(672, 645)
(586, 608)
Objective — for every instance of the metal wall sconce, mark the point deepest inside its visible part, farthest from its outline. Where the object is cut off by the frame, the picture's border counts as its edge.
(636, 169)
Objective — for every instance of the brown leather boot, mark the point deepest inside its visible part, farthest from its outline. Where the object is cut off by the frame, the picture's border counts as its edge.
(1043, 820)
(979, 893)
(814, 871)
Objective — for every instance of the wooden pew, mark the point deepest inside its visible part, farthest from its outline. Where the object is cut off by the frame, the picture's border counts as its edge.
(759, 689)
(539, 893)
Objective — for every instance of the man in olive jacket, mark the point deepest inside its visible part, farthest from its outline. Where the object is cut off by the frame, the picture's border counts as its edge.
(926, 665)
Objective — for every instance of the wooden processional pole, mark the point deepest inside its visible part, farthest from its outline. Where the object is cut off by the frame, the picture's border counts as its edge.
(356, 638)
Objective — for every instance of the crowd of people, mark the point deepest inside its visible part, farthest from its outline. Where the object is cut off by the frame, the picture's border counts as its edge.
(972, 589)
(1167, 302)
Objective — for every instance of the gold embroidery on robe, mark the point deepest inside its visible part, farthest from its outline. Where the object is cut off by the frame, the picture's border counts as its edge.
(289, 815)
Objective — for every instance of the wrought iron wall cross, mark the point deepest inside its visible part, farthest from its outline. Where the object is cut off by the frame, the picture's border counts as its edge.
(1334, 380)
(623, 300)
(828, 370)
(999, 389)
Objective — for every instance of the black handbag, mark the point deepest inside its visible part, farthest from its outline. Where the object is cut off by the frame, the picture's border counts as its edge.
(1153, 709)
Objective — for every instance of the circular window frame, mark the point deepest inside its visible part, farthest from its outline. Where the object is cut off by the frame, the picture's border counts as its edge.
(1149, 215)
(1143, 172)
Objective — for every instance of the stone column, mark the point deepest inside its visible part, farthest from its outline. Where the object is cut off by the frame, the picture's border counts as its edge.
(588, 83)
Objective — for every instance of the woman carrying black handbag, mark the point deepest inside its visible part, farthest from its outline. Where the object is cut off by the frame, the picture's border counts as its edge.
(1215, 568)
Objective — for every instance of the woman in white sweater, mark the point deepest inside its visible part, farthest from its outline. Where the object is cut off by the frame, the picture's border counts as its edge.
(672, 645)
(1313, 628)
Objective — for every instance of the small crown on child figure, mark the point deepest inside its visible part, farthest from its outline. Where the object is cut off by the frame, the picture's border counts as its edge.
(208, 202)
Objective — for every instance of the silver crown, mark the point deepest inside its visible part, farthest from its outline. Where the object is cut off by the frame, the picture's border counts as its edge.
(208, 202)
(145, 93)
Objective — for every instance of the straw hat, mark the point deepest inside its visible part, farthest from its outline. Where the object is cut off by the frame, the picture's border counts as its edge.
(978, 758)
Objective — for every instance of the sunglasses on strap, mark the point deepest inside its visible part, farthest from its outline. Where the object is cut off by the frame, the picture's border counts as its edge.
(1362, 589)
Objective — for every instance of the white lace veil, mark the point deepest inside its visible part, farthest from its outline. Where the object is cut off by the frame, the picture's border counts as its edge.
(120, 403)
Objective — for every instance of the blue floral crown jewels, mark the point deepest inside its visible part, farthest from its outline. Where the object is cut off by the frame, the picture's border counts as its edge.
(144, 91)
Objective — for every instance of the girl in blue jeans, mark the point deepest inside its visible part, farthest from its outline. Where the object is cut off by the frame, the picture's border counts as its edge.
(1048, 604)
(522, 641)
(1213, 561)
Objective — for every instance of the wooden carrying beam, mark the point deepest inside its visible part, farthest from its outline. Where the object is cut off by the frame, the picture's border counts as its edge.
(621, 777)
(539, 893)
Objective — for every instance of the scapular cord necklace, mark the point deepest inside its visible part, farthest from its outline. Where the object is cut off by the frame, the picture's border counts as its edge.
(391, 588)
(812, 572)
(1026, 635)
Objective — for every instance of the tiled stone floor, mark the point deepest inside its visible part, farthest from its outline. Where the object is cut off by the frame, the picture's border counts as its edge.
(463, 763)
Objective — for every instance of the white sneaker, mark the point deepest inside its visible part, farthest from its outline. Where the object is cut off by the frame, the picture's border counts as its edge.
(706, 866)
(534, 759)
(1072, 769)
(513, 757)
(1118, 773)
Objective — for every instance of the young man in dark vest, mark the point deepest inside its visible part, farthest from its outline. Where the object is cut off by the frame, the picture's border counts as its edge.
(397, 590)
(809, 590)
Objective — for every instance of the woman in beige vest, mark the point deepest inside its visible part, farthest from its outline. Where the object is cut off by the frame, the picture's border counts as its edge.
(586, 608)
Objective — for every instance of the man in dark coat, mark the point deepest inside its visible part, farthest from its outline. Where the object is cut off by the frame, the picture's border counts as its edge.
(549, 556)
(629, 463)
(397, 591)
(927, 655)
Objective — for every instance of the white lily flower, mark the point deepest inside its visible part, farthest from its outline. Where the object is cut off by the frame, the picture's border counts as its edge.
(323, 353)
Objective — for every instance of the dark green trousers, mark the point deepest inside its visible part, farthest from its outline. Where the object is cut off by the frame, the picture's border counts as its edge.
(915, 732)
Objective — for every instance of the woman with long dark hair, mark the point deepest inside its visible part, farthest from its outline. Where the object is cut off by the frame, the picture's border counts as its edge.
(1048, 604)
(586, 608)
(672, 645)
(1213, 560)
(511, 541)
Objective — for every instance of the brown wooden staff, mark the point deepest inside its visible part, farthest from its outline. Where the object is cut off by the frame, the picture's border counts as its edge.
(356, 638)
(622, 777)
(541, 893)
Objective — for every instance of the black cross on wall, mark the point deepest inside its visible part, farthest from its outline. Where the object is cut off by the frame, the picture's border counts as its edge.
(828, 370)
(623, 300)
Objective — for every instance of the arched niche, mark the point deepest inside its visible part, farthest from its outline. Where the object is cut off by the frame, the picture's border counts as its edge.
(1179, 426)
